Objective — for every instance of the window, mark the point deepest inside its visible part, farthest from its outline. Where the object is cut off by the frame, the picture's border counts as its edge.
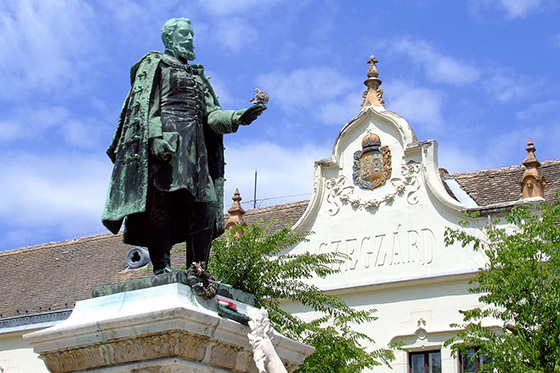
(469, 365)
(425, 362)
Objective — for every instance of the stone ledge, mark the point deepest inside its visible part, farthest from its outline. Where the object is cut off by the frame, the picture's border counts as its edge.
(150, 326)
(165, 365)
(151, 348)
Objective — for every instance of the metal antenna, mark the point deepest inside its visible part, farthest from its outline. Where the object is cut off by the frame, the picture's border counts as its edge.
(255, 191)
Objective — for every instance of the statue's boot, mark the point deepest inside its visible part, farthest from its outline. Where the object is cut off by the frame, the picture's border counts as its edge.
(158, 230)
(159, 249)
(198, 246)
(160, 260)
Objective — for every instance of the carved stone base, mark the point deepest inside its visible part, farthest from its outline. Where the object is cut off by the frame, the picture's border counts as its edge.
(163, 328)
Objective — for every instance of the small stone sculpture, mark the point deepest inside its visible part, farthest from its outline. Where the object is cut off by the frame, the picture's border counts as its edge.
(261, 97)
(265, 356)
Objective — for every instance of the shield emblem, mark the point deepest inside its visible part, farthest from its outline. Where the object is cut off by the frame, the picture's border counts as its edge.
(372, 164)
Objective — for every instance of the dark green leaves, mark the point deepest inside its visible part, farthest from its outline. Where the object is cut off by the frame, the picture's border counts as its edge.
(520, 290)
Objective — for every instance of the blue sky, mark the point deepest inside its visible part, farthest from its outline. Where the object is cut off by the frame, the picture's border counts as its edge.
(478, 76)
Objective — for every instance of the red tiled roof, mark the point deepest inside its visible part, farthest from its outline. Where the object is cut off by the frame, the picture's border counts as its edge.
(500, 185)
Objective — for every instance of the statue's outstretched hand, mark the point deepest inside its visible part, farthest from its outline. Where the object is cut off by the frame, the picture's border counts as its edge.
(250, 114)
(161, 149)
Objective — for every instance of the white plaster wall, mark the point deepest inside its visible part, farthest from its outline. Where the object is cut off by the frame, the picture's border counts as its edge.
(404, 308)
(17, 356)
(394, 232)
(394, 236)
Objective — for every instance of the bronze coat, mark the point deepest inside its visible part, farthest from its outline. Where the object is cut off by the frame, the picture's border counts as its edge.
(129, 151)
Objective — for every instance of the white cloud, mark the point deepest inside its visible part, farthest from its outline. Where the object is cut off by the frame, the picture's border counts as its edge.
(37, 123)
(505, 147)
(10, 130)
(31, 122)
(235, 33)
(506, 87)
(63, 193)
(458, 158)
(538, 110)
(45, 188)
(41, 42)
(126, 12)
(544, 132)
(232, 23)
(306, 87)
(500, 150)
(520, 8)
(499, 82)
(139, 22)
(513, 8)
(438, 67)
(85, 134)
(282, 172)
(341, 110)
(420, 106)
(556, 40)
(228, 7)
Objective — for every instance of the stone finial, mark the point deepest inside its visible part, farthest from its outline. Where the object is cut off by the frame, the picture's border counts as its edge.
(372, 72)
(236, 212)
(374, 95)
(532, 183)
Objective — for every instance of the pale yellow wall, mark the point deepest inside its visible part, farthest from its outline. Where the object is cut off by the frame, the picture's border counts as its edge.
(17, 356)
(394, 236)
(404, 308)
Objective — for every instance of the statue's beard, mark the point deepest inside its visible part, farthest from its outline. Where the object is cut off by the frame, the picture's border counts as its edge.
(184, 53)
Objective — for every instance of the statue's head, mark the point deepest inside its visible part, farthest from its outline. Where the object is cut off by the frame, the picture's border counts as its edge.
(177, 36)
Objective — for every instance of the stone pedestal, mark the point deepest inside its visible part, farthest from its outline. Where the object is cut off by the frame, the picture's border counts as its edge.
(164, 328)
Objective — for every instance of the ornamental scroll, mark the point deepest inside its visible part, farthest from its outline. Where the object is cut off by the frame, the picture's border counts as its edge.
(339, 192)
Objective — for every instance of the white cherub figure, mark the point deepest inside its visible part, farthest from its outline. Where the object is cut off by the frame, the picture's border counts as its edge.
(265, 356)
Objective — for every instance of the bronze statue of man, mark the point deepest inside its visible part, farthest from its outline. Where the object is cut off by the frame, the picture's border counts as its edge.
(168, 154)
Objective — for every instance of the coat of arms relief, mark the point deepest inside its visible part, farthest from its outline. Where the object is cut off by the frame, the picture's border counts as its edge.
(372, 164)
(372, 169)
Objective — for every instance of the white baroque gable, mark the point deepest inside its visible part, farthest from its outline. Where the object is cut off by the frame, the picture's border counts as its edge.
(394, 232)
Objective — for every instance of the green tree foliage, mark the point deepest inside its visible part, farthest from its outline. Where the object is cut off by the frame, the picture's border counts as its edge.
(255, 263)
(520, 287)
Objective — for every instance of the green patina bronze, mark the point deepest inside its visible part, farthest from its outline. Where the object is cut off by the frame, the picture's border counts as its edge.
(184, 152)
(180, 277)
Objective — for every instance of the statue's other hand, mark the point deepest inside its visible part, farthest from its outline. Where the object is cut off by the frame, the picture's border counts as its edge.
(251, 113)
(161, 149)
